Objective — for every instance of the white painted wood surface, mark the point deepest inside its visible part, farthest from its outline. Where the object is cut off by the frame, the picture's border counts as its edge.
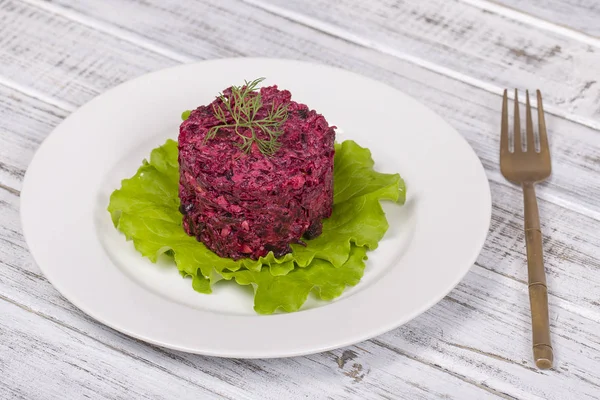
(579, 15)
(454, 56)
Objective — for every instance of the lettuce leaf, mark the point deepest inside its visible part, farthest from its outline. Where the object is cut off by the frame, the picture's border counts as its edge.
(146, 210)
(290, 291)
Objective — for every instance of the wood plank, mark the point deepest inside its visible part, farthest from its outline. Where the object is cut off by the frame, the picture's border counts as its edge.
(24, 123)
(461, 40)
(73, 67)
(62, 362)
(453, 333)
(469, 43)
(42, 359)
(579, 15)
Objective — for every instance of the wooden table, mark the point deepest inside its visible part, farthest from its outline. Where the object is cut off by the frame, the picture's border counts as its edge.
(454, 56)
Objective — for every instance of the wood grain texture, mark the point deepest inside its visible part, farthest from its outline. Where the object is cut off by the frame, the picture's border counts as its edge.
(472, 345)
(579, 15)
(73, 365)
(469, 43)
(63, 62)
(61, 363)
(456, 38)
(24, 123)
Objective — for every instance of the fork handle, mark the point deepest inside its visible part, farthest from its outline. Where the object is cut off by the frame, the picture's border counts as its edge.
(538, 291)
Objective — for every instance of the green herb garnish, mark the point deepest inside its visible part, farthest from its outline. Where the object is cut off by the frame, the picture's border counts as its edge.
(239, 111)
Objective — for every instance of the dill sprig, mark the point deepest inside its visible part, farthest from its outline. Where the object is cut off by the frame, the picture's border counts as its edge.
(239, 110)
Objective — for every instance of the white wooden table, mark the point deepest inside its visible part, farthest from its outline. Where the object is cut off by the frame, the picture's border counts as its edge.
(455, 56)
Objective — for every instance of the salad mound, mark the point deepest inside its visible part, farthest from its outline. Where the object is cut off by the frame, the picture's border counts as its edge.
(146, 209)
(256, 172)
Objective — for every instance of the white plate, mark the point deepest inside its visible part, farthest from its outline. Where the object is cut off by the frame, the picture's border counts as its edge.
(432, 242)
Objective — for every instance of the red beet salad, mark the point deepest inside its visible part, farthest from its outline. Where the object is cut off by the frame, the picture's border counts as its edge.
(256, 172)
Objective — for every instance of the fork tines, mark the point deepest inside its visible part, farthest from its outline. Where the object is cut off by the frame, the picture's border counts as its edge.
(530, 135)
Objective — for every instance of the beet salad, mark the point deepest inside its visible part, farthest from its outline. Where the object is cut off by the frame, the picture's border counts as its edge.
(256, 172)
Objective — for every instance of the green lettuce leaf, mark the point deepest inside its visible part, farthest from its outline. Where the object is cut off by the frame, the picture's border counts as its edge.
(290, 291)
(146, 210)
(355, 177)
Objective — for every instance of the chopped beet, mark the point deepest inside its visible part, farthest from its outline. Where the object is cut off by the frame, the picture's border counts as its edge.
(246, 204)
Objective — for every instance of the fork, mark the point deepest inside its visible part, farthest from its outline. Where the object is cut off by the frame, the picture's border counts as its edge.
(526, 167)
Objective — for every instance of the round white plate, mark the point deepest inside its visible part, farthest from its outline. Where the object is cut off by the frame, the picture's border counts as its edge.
(432, 242)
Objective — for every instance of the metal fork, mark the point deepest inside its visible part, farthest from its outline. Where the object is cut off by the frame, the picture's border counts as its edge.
(526, 167)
